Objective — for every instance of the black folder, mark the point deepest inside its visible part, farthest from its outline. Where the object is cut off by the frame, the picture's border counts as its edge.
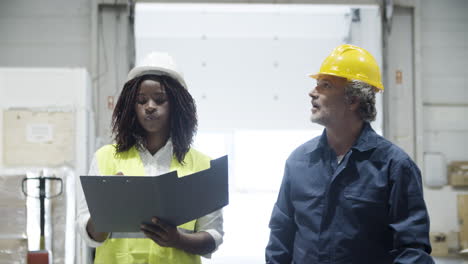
(122, 203)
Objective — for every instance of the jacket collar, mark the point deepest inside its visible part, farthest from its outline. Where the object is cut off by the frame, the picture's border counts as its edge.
(367, 140)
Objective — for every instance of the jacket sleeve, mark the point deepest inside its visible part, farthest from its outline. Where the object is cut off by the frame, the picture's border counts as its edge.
(409, 220)
(282, 226)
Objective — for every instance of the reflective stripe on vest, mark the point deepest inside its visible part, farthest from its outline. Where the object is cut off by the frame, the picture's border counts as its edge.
(144, 250)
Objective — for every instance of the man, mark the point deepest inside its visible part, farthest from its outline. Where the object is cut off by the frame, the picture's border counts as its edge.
(349, 196)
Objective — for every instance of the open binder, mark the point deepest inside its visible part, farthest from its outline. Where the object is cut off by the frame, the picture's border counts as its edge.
(122, 203)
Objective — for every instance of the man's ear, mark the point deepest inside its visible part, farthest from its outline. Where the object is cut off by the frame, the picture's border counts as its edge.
(353, 103)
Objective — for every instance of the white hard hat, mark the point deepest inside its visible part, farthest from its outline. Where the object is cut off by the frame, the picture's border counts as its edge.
(157, 63)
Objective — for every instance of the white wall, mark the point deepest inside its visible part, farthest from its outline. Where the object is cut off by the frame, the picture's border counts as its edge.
(50, 33)
(444, 52)
(443, 78)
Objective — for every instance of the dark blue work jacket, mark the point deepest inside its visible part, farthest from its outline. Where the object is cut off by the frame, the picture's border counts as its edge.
(367, 209)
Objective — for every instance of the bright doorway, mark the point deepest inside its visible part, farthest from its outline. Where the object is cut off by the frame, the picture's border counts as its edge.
(246, 66)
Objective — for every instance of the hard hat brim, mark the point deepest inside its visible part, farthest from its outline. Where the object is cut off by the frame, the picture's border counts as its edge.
(159, 71)
(379, 86)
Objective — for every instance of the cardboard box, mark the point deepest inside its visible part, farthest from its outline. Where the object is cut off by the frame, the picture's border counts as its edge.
(13, 251)
(439, 244)
(12, 207)
(453, 243)
(11, 194)
(13, 221)
(462, 202)
(38, 138)
(458, 173)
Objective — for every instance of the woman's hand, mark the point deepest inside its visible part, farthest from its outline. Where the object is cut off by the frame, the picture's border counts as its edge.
(161, 233)
(165, 235)
(95, 235)
(90, 228)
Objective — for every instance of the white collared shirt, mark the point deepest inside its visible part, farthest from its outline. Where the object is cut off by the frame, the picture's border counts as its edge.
(156, 164)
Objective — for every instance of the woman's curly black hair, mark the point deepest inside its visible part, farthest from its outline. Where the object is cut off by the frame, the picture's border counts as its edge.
(183, 116)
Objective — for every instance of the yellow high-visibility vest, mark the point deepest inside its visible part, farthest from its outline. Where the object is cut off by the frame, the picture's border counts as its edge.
(144, 250)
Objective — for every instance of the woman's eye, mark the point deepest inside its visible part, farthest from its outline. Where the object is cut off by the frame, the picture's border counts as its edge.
(141, 100)
(160, 100)
(145, 99)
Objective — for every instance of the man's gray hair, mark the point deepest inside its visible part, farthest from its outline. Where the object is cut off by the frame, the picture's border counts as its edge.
(365, 94)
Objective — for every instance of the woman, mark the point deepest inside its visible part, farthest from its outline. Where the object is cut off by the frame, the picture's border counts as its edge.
(154, 122)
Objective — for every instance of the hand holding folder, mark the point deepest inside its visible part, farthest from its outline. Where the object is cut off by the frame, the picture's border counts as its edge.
(122, 203)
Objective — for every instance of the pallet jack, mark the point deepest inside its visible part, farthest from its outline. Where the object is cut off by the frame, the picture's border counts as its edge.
(41, 256)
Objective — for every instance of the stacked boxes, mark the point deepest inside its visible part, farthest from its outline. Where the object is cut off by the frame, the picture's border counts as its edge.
(458, 173)
(463, 219)
(439, 244)
(13, 242)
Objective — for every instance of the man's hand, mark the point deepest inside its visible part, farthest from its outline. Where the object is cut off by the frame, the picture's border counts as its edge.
(161, 233)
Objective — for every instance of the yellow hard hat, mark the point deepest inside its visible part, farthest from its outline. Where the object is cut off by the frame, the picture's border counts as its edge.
(353, 63)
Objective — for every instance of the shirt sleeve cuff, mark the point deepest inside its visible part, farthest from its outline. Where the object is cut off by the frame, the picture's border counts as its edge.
(218, 238)
(81, 226)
